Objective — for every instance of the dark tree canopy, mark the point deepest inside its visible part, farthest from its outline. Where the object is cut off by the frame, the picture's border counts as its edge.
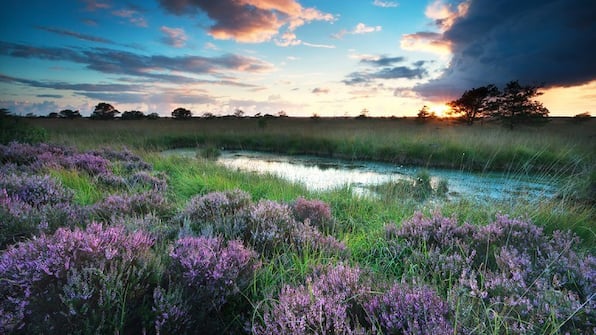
(104, 111)
(153, 116)
(424, 114)
(132, 115)
(69, 114)
(475, 103)
(516, 105)
(181, 113)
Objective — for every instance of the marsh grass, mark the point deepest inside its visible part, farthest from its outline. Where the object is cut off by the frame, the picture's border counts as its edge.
(360, 222)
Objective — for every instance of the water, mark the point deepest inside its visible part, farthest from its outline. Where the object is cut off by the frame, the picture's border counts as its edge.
(320, 174)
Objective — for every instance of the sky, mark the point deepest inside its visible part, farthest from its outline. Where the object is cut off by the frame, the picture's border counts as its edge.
(302, 57)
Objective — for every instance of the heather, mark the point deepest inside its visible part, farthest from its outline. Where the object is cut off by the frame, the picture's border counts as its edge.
(115, 240)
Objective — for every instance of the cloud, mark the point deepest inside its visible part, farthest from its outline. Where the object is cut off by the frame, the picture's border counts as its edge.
(324, 46)
(381, 61)
(181, 69)
(175, 37)
(248, 21)
(26, 107)
(55, 96)
(385, 4)
(535, 41)
(77, 35)
(93, 5)
(320, 90)
(132, 15)
(360, 29)
(426, 41)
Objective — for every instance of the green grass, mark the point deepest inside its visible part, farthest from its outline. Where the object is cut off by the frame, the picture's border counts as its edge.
(86, 192)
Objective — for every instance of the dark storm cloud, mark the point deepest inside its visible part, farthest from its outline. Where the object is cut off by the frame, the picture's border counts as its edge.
(55, 96)
(383, 61)
(156, 67)
(398, 72)
(550, 42)
(74, 87)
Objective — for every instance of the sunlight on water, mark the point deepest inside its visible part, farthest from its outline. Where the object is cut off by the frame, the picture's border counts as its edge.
(320, 174)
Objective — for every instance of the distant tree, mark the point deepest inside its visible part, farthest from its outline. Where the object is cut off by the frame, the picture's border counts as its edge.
(239, 112)
(282, 114)
(132, 115)
(53, 115)
(208, 115)
(585, 116)
(475, 103)
(425, 114)
(515, 105)
(153, 116)
(69, 114)
(104, 111)
(363, 114)
(181, 113)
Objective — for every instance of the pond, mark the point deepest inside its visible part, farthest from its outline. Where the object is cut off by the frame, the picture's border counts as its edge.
(321, 174)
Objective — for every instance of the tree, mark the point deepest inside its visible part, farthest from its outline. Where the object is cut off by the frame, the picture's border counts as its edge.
(69, 114)
(104, 111)
(239, 112)
(132, 115)
(515, 105)
(181, 113)
(53, 115)
(282, 114)
(153, 116)
(475, 103)
(424, 114)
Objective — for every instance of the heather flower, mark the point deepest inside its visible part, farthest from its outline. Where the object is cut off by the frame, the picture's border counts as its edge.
(329, 303)
(271, 225)
(172, 312)
(316, 211)
(143, 179)
(93, 164)
(409, 310)
(47, 277)
(217, 213)
(211, 274)
(35, 190)
(121, 205)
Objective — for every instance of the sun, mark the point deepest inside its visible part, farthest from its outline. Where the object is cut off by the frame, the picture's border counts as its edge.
(440, 110)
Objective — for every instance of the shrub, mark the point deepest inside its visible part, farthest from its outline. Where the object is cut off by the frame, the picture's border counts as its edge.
(316, 211)
(217, 213)
(407, 310)
(211, 274)
(35, 190)
(329, 303)
(270, 226)
(130, 205)
(508, 273)
(74, 280)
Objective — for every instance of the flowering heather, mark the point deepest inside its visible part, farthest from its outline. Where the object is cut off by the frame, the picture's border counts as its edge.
(406, 310)
(122, 205)
(316, 211)
(531, 281)
(143, 179)
(211, 272)
(129, 160)
(20, 220)
(54, 280)
(271, 225)
(87, 162)
(35, 190)
(172, 313)
(217, 213)
(329, 303)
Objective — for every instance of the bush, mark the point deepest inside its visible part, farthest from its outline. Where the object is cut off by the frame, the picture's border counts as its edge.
(211, 274)
(74, 281)
(508, 273)
(316, 211)
(131, 205)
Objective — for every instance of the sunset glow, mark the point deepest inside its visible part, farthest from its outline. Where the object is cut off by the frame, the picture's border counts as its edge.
(304, 57)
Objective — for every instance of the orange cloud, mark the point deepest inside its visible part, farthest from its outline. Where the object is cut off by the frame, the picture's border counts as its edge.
(426, 41)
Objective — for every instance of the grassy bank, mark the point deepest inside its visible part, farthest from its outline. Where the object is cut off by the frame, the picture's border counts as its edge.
(560, 147)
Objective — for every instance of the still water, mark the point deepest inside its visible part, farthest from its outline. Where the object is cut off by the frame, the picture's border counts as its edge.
(320, 174)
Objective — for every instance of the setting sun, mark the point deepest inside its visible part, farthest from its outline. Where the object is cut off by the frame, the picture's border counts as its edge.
(441, 110)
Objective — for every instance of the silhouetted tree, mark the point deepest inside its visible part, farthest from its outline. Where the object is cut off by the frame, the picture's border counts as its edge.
(585, 116)
(104, 111)
(153, 116)
(181, 113)
(239, 112)
(282, 114)
(475, 103)
(208, 115)
(53, 115)
(132, 115)
(515, 105)
(69, 114)
(424, 114)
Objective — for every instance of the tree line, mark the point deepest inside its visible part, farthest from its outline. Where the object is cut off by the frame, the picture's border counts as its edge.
(514, 104)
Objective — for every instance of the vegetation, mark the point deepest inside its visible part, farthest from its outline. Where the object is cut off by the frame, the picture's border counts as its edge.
(181, 113)
(100, 238)
(104, 111)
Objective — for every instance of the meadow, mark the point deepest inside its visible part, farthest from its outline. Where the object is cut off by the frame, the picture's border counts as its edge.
(103, 234)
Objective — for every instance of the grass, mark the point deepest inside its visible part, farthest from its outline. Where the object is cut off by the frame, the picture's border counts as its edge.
(561, 150)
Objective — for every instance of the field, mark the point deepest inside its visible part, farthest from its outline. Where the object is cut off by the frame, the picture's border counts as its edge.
(130, 241)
